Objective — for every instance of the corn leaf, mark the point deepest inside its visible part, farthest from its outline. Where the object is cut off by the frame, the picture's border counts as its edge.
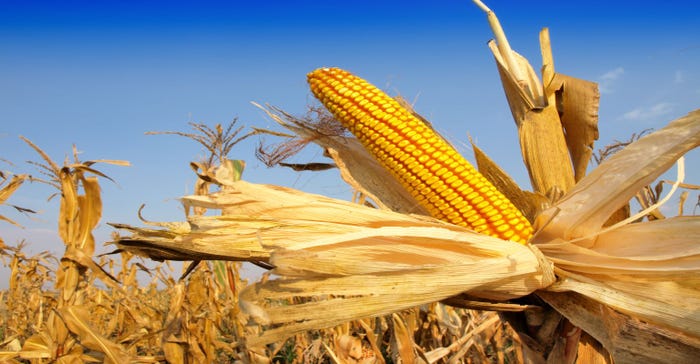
(10, 188)
(77, 320)
(90, 212)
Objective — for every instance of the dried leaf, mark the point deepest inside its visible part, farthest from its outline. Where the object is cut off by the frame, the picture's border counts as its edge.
(68, 213)
(348, 349)
(402, 340)
(90, 212)
(36, 347)
(541, 136)
(77, 320)
(577, 103)
(11, 187)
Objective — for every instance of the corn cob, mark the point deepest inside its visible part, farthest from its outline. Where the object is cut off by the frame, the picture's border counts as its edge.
(435, 174)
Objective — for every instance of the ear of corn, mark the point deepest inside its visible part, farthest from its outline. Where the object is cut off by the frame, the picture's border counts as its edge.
(435, 174)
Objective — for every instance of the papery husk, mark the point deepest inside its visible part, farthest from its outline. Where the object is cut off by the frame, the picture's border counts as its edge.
(347, 294)
(359, 262)
(542, 140)
(578, 108)
(529, 203)
(577, 103)
(627, 339)
(647, 270)
(582, 213)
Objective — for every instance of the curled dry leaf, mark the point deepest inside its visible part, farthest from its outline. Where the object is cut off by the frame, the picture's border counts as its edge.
(77, 320)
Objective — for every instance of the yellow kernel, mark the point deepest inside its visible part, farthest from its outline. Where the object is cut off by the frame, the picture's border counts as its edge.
(468, 213)
(459, 203)
(482, 204)
(440, 188)
(451, 196)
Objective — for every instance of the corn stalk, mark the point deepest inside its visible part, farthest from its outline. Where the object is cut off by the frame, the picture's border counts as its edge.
(68, 331)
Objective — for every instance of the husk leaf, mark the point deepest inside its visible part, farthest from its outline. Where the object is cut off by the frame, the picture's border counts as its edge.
(577, 103)
(612, 184)
(382, 266)
(529, 203)
(645, 269)
(540, 132)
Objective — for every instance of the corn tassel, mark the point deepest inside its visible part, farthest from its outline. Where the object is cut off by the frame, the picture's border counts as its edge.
(435, 174)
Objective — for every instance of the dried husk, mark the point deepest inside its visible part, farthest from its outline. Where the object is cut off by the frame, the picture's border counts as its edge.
(577, 103)
(646, 270)
(582, 213)
(529, 203)
(542, 140)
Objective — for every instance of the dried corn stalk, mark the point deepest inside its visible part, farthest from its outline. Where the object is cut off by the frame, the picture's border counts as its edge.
(78, 216)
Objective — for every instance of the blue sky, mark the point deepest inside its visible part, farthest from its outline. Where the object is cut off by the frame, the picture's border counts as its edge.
(100, 74)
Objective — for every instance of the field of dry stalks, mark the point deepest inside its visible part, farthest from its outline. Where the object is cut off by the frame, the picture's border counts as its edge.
(81, 308)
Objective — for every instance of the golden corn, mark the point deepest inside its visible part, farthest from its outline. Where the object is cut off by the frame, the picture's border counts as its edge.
(438, 177)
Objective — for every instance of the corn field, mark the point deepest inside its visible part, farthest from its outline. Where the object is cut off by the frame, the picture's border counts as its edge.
(433, 261)
(94, 309)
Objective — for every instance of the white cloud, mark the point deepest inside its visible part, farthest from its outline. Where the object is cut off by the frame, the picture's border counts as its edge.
(678, 77)
(645, 113)
(606, 81)
(612, 74)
